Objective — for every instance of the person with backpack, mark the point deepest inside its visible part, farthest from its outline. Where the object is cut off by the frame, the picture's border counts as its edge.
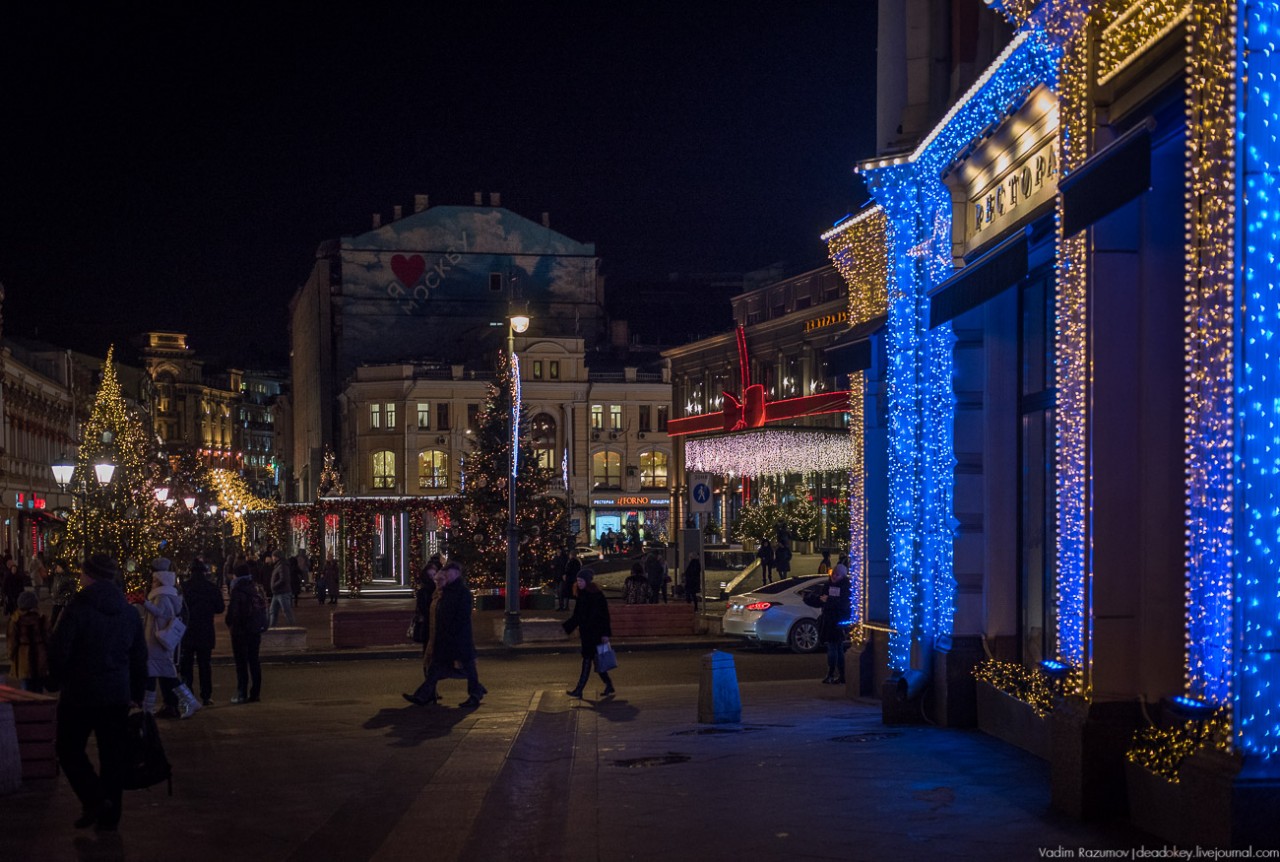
(29, 644)
(247, 619)
(98, 658)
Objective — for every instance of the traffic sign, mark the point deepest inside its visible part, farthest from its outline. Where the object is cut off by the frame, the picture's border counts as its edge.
(699, 493)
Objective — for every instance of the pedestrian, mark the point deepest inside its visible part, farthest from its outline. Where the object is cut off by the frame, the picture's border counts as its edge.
(782, 561)
(656, 572)
(322, 585)
(281, 592)
(834, 600)
(635, 589)
(98, 658)
(62, 586)
(39, 574)
(301, 571)
(453, 648)
(568, 577)
(246, 618)
(29, 644)
(204, 602)
(824, 566)
(693, 580)
(591, 619)
(12, 586)
(765, 554)
(163, 605)
(426, 601)
(331, 577)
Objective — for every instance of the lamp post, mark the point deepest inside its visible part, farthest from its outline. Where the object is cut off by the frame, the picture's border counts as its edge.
(517, 321)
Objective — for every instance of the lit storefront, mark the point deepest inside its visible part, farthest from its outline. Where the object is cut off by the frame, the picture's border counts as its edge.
(648, 514)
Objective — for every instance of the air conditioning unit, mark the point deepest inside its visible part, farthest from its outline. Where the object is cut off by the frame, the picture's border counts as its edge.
(613, 435)
(640, 435)
(595, 435)
(440, 439)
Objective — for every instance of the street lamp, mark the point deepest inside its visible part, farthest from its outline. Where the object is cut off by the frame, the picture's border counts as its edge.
(63, 470)
(162, 493)
(517, 321)
(189, 501)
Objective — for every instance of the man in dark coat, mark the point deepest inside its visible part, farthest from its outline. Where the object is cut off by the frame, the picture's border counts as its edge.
(568, 577)
(591, 619)
(452, 646)
(244, 620)
(656, 572)
(98, 656)
(13, 585)
(204, 602)
(693, 580)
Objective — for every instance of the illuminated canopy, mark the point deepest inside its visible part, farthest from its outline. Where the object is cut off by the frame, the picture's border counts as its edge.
(770, 452)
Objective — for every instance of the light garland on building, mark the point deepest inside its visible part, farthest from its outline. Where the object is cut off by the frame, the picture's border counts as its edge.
(921, 401)
(857, 497)
(1072, 373)
(769, 452)
(1253, 597)
(1134, 31)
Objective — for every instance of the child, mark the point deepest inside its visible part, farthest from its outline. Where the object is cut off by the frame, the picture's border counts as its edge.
(28, 644)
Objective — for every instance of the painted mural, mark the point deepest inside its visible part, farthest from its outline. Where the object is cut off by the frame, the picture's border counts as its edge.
(416, 288)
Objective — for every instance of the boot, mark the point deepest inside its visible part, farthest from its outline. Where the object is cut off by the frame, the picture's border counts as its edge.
(149, 701)
(608, 686)
(188, 705)
(576, 691)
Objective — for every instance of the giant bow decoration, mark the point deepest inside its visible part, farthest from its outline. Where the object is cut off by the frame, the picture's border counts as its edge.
(750, 409)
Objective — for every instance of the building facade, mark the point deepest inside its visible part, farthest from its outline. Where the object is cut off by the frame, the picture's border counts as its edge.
(431, 286)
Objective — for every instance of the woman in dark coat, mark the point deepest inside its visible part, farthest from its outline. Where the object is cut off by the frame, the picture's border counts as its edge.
(835, 600)
(423, 600)
(765, 553)
(451, 643)
(204, 602)
(591, 618)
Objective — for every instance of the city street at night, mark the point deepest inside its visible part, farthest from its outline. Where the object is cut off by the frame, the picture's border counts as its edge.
(334, 765)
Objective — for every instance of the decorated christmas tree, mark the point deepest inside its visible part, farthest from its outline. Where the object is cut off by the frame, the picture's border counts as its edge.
(478, 535)
(120, 518)
(186, 531)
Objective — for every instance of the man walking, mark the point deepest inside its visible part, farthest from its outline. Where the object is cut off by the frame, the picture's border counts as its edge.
(98, 655)
(246, 618)
(452, 644)
(204, 602)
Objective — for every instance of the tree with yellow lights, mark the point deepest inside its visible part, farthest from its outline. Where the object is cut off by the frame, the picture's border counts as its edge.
(478, 536)
(122, 517)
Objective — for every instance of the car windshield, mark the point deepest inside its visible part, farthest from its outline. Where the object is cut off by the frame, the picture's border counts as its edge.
(782, 586)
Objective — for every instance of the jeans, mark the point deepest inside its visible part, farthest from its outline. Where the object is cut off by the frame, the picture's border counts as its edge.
(278, 601)
(244, 647)
(835, 658)
(191, 657)
(110, 725)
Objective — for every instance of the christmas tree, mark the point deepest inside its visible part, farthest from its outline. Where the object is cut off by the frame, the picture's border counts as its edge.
(187, 531)
(122, 517)
(478, 536)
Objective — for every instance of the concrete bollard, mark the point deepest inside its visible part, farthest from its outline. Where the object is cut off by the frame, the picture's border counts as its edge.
(10, 758)
(718, 701)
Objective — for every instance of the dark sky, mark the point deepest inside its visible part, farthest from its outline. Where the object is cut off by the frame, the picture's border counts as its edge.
(175, 167)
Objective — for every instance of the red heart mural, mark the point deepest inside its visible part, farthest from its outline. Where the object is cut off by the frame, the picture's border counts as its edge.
(408, 268)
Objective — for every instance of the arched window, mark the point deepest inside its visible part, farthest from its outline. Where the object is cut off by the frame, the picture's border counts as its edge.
(433, 469)
(542, 434)
(606, 470)
(653, 469)
(384, 469)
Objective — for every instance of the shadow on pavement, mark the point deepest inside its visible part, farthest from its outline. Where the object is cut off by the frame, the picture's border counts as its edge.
(611, 709)
(412, 725)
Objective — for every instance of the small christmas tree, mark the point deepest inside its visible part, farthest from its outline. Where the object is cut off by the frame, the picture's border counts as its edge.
(121, 518)
(478, 536)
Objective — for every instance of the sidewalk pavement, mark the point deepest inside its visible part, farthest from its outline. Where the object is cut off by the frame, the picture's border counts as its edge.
(806, 774)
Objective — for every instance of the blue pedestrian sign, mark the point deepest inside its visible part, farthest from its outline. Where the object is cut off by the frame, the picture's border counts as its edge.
(700, 494)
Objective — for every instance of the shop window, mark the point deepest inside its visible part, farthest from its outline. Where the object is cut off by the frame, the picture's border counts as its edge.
(653, 469)
(597, 417)
(384, 469)
(606, 470)
(615, 417)
(433, 469)
(424, 415)
(375, 415)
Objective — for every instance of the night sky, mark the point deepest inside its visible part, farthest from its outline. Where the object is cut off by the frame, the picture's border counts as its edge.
(176, 167)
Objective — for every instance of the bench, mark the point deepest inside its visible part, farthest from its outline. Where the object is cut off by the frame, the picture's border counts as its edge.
(284, 639)
(33, 718)
(370, 628)
(646, 621)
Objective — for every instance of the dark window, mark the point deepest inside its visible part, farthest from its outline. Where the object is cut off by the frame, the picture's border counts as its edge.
(645, 419)
(663, 412)
(495, 281)
(442, 416)
(473, 411)
(803, 302)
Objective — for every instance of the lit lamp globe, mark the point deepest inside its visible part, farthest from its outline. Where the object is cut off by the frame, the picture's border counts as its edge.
(104, 470)
(162, 493)
(63, 470)
(520, 321)
(189, 502)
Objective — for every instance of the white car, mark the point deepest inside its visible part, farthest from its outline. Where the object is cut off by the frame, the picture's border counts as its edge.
(776, 614)
(587, 554)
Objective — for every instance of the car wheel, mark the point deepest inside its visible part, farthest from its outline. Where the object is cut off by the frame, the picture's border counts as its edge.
(803, 637)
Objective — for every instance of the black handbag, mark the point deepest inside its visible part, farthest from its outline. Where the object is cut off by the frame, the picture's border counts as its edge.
(415, 631)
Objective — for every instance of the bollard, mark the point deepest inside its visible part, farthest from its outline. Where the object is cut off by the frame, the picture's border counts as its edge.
(10, 758)
(718, 701)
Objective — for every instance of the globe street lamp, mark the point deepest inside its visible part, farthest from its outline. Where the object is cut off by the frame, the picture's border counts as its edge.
(517, 321)
(64, 470)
